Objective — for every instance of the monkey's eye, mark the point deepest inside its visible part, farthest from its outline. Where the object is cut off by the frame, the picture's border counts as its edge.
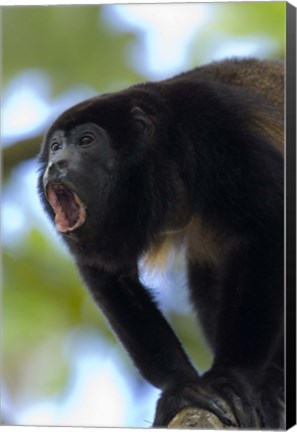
(86, 140)
(55, 146)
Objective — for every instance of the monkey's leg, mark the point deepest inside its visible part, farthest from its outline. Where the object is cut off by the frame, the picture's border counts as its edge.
(248, 329)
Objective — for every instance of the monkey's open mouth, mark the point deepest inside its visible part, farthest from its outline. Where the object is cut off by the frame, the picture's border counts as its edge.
(69, 209)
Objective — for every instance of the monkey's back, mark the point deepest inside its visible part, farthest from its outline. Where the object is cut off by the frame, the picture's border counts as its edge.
(259, 80)
(262, 77)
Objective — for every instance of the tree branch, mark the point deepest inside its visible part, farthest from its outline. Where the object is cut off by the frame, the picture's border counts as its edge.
(19, 152)
(198, 418)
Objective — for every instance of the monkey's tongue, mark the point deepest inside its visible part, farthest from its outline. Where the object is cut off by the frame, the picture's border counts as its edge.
(70, 211)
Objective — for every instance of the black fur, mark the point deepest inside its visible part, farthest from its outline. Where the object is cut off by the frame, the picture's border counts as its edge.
(193, 158)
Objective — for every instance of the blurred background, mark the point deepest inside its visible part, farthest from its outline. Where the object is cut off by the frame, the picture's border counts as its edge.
(61, 365)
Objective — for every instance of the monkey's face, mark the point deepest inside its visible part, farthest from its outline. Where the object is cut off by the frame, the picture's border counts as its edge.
(79, 171)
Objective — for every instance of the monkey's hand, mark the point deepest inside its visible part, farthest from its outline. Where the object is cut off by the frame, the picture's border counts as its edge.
(196, 393)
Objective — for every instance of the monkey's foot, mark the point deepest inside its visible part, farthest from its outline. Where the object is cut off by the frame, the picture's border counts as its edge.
(256, 399)
(270, 402)
(237, 389)
(190, 394)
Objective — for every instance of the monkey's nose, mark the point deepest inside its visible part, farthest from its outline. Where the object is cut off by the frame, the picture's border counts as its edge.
(55, 170)
(59, 167)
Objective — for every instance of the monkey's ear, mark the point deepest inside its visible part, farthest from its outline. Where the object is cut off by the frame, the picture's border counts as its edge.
(143, 121)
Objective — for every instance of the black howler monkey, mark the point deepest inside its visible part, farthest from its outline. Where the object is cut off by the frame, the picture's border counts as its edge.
(197, 161)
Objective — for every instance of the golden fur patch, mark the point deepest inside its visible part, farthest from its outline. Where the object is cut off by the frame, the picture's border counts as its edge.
(202, 244)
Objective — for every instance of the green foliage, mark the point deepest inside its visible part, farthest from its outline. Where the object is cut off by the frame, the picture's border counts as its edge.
(72, 44)
(43, 300)
(260, 18)
(238, 20)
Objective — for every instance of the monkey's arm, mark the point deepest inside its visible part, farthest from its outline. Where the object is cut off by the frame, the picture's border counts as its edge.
(140, 327)
(149, 339)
